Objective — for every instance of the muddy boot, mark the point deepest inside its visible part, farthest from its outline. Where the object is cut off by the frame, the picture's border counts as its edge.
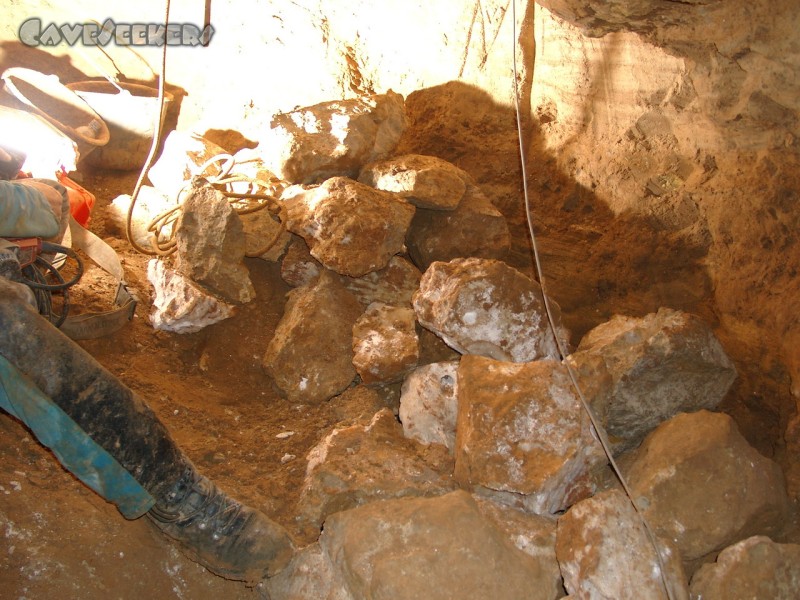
(229, 539)
(109, 438)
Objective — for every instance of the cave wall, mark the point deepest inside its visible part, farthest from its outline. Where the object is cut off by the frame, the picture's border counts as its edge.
(680, 117)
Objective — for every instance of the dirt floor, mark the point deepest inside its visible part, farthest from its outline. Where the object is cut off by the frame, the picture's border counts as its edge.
(212, 393)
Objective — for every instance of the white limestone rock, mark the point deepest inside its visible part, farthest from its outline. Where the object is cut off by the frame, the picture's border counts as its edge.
(429, 404)
(180, 306)
(482, 306)
(385, 343)
(311, 144)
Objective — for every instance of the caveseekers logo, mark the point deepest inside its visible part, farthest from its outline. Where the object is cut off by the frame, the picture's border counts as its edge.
(32, 33)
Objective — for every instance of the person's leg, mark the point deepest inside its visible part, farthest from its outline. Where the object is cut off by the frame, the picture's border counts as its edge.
(230, 539)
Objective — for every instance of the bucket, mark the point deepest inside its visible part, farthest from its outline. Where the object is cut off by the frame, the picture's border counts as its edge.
(45, 96)
(130, 115)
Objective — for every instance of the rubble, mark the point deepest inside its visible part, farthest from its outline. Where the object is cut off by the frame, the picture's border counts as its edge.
(385, 344)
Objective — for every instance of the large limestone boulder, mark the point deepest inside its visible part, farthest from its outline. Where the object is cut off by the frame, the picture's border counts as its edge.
(429, 404)
(349, 227)
(310, 356)
(385, 343)
(480, 306)
(432, 548)
(522, 436)
(604, 552)
(661, 364)
(473, 228)
(701, 485)
(363, 462)
(311, 144)
(753, 568)
(211, 245)
(425, 181)
(309, 575)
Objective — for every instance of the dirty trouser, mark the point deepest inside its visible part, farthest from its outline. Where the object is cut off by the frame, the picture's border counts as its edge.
(97, 427)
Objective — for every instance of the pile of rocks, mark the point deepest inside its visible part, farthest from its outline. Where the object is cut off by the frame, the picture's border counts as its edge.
(492, 481)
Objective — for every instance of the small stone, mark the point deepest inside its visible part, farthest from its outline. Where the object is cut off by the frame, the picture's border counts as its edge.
(180, 306)
(348, 226)
(429, 404)
(394, 285)
(385, 344)
(424, 181)
(298, 267)
(265, 237)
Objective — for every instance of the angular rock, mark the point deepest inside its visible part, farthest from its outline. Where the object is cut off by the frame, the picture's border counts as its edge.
(356, 403)
(753, 568)
(424, 181)
(604, 552)
(265, 237)
(535, 535)
(309, 575)
(701, 485)
(522, 436)
(349, 227)
(179, 305)
(480, 306)
(429, 404)
(395, 284)
(298, 267)
(310, 356)
(361, 463)
(432, 548)
(385, 344)
(211, 245)
(661, 364)
(475, 228)
(311, 144)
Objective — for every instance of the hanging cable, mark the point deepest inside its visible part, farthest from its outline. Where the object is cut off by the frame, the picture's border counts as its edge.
(599, 429)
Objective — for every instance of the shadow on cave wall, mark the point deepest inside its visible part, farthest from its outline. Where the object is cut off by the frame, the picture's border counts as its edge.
(596, 263)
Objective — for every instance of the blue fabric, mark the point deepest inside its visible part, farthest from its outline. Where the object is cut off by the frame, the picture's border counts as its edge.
(88, 461)
(25, 212)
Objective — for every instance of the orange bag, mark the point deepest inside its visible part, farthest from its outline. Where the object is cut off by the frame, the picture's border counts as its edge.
(81, 202)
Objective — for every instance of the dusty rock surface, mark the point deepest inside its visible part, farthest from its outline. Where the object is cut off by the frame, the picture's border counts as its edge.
(310, 357)
(385, 343)
(473, 228)
(521, 436)
(664, 363)
(485, 307)
(753, 568)
(349, 227)
(703, 487)
(211, 246)
(429, 404)
(597, 535)
(397, 548)
(179, 305)
(362, 463)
